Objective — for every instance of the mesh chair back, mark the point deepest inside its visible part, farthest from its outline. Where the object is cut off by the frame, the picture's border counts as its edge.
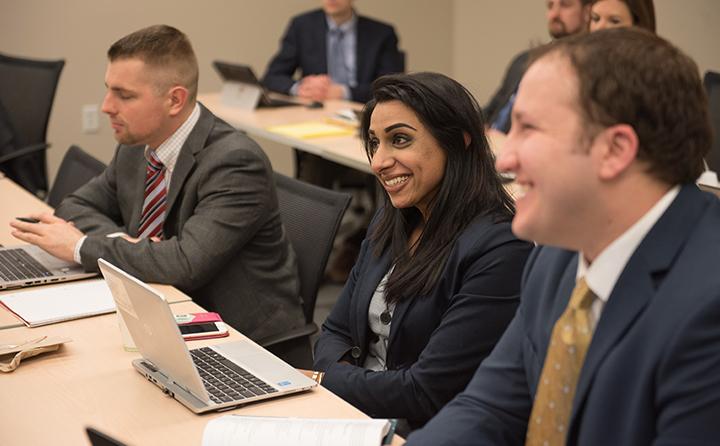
(27, 92)
(712, 87)
(311, 216)
(77, 168)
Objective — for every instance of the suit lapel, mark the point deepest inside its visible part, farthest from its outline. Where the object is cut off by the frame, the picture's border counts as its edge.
(378, 269)
(195, 142)
(319, 35)
(137, 179)
(638, 283)
(363, 37)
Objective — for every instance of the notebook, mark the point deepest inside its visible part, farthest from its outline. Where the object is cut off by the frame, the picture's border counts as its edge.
(28, 265)
(245, 75)
(203, 379)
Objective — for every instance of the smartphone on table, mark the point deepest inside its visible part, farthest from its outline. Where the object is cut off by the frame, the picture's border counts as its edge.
(195, 326)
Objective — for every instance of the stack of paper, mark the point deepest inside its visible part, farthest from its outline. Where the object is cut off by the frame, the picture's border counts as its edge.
(57, 303)
(260, 431)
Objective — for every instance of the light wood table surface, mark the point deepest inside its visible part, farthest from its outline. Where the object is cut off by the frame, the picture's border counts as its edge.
(17, 202)
(90, 381)
(345, 150)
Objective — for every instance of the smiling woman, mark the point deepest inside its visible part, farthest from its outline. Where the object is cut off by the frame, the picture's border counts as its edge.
(622, 13)
(438, 277)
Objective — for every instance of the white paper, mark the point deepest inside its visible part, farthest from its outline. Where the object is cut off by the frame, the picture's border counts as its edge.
(50, 304)
(232, 430)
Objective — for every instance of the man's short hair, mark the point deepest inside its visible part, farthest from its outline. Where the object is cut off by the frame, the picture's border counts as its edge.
(631, 76)
(164, 48)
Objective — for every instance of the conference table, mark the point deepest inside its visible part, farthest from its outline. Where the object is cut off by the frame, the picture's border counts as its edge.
(53, 397)
(346, 150)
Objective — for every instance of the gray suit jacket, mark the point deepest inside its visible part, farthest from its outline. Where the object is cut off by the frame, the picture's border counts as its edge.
(224, 243)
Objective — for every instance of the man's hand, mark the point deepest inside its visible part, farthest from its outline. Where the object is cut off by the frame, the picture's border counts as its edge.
(53, 234)
(314, 87)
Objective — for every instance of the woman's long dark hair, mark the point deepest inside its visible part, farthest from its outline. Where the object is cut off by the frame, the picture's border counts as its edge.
(470, 187)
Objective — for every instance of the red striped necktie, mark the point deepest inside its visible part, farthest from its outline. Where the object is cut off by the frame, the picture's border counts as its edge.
(153, 212)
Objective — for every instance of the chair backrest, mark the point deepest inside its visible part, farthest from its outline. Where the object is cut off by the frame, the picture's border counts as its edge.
(77, 168)
(311, 216)
(712, 87)
(27, 92)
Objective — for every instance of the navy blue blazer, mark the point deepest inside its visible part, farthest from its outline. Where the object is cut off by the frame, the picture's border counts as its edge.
(304, 47)
(652, 372)
(436, 341)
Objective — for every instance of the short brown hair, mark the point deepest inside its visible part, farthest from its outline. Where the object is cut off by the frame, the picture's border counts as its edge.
(631, 76)
(163, 47)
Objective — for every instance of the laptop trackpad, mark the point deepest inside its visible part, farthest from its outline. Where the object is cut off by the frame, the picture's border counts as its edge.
(260, 363)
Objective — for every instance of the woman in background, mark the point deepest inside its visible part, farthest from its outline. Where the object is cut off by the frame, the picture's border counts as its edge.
(437, 279)
(621, 13)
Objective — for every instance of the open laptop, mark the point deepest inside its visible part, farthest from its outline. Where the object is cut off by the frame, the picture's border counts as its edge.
(203, 379)
(245, 75)
(28, 265)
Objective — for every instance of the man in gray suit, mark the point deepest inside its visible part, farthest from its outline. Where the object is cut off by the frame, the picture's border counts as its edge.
(187, 200)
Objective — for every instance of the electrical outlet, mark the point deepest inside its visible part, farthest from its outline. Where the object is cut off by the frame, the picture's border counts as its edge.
(90, 118)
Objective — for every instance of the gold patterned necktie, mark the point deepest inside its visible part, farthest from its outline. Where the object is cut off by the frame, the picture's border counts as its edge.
(569, 342)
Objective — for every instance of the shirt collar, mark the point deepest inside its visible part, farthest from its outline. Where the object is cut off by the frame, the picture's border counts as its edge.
(169, 150)
(602, 275)
(345, 27)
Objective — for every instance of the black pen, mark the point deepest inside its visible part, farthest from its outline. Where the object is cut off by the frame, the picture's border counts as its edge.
(28, 219)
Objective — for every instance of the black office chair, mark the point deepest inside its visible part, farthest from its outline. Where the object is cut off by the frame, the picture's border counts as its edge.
(27, 92)
(77, 168)
(311, 216)
(712, 87)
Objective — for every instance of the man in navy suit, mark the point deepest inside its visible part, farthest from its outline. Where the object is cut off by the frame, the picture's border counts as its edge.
(606, 161)
(339, 54)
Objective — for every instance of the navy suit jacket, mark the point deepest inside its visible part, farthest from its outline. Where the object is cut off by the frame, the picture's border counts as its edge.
(436, 341)
(652, 372)
(304, 47)
(509, 85)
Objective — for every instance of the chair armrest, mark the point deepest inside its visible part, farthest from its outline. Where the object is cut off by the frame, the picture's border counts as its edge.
(24, 151)
(306, 330)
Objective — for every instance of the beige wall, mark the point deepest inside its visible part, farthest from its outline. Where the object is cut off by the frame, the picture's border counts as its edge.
(487, 33)
(80, 31)
(471, 40)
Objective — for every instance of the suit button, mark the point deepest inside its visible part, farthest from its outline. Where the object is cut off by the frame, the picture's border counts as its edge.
(355, 352)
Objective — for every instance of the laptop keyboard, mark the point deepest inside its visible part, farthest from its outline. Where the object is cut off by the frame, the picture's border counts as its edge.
(225, 380)
(16, 264)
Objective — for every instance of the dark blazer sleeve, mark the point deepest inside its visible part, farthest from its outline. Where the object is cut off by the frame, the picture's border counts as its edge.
(473, 319)
(232, 187)
(510, 82)
(279, 74)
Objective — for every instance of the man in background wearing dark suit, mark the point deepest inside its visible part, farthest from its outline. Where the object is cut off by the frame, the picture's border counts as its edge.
(616, 340)
(564, 18)
(338, 54)
(187, 200)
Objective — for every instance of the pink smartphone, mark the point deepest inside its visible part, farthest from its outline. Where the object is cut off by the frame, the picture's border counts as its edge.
(194, 326)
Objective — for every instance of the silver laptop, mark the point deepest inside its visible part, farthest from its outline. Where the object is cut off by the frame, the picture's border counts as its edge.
(244, 74)
(203, 379)
(28, 265)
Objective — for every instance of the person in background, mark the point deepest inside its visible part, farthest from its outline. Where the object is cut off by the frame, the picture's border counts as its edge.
(619, 13)
(338, 54)
(616, 340)
(564, 18)
(438, 275)
(187, 200)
